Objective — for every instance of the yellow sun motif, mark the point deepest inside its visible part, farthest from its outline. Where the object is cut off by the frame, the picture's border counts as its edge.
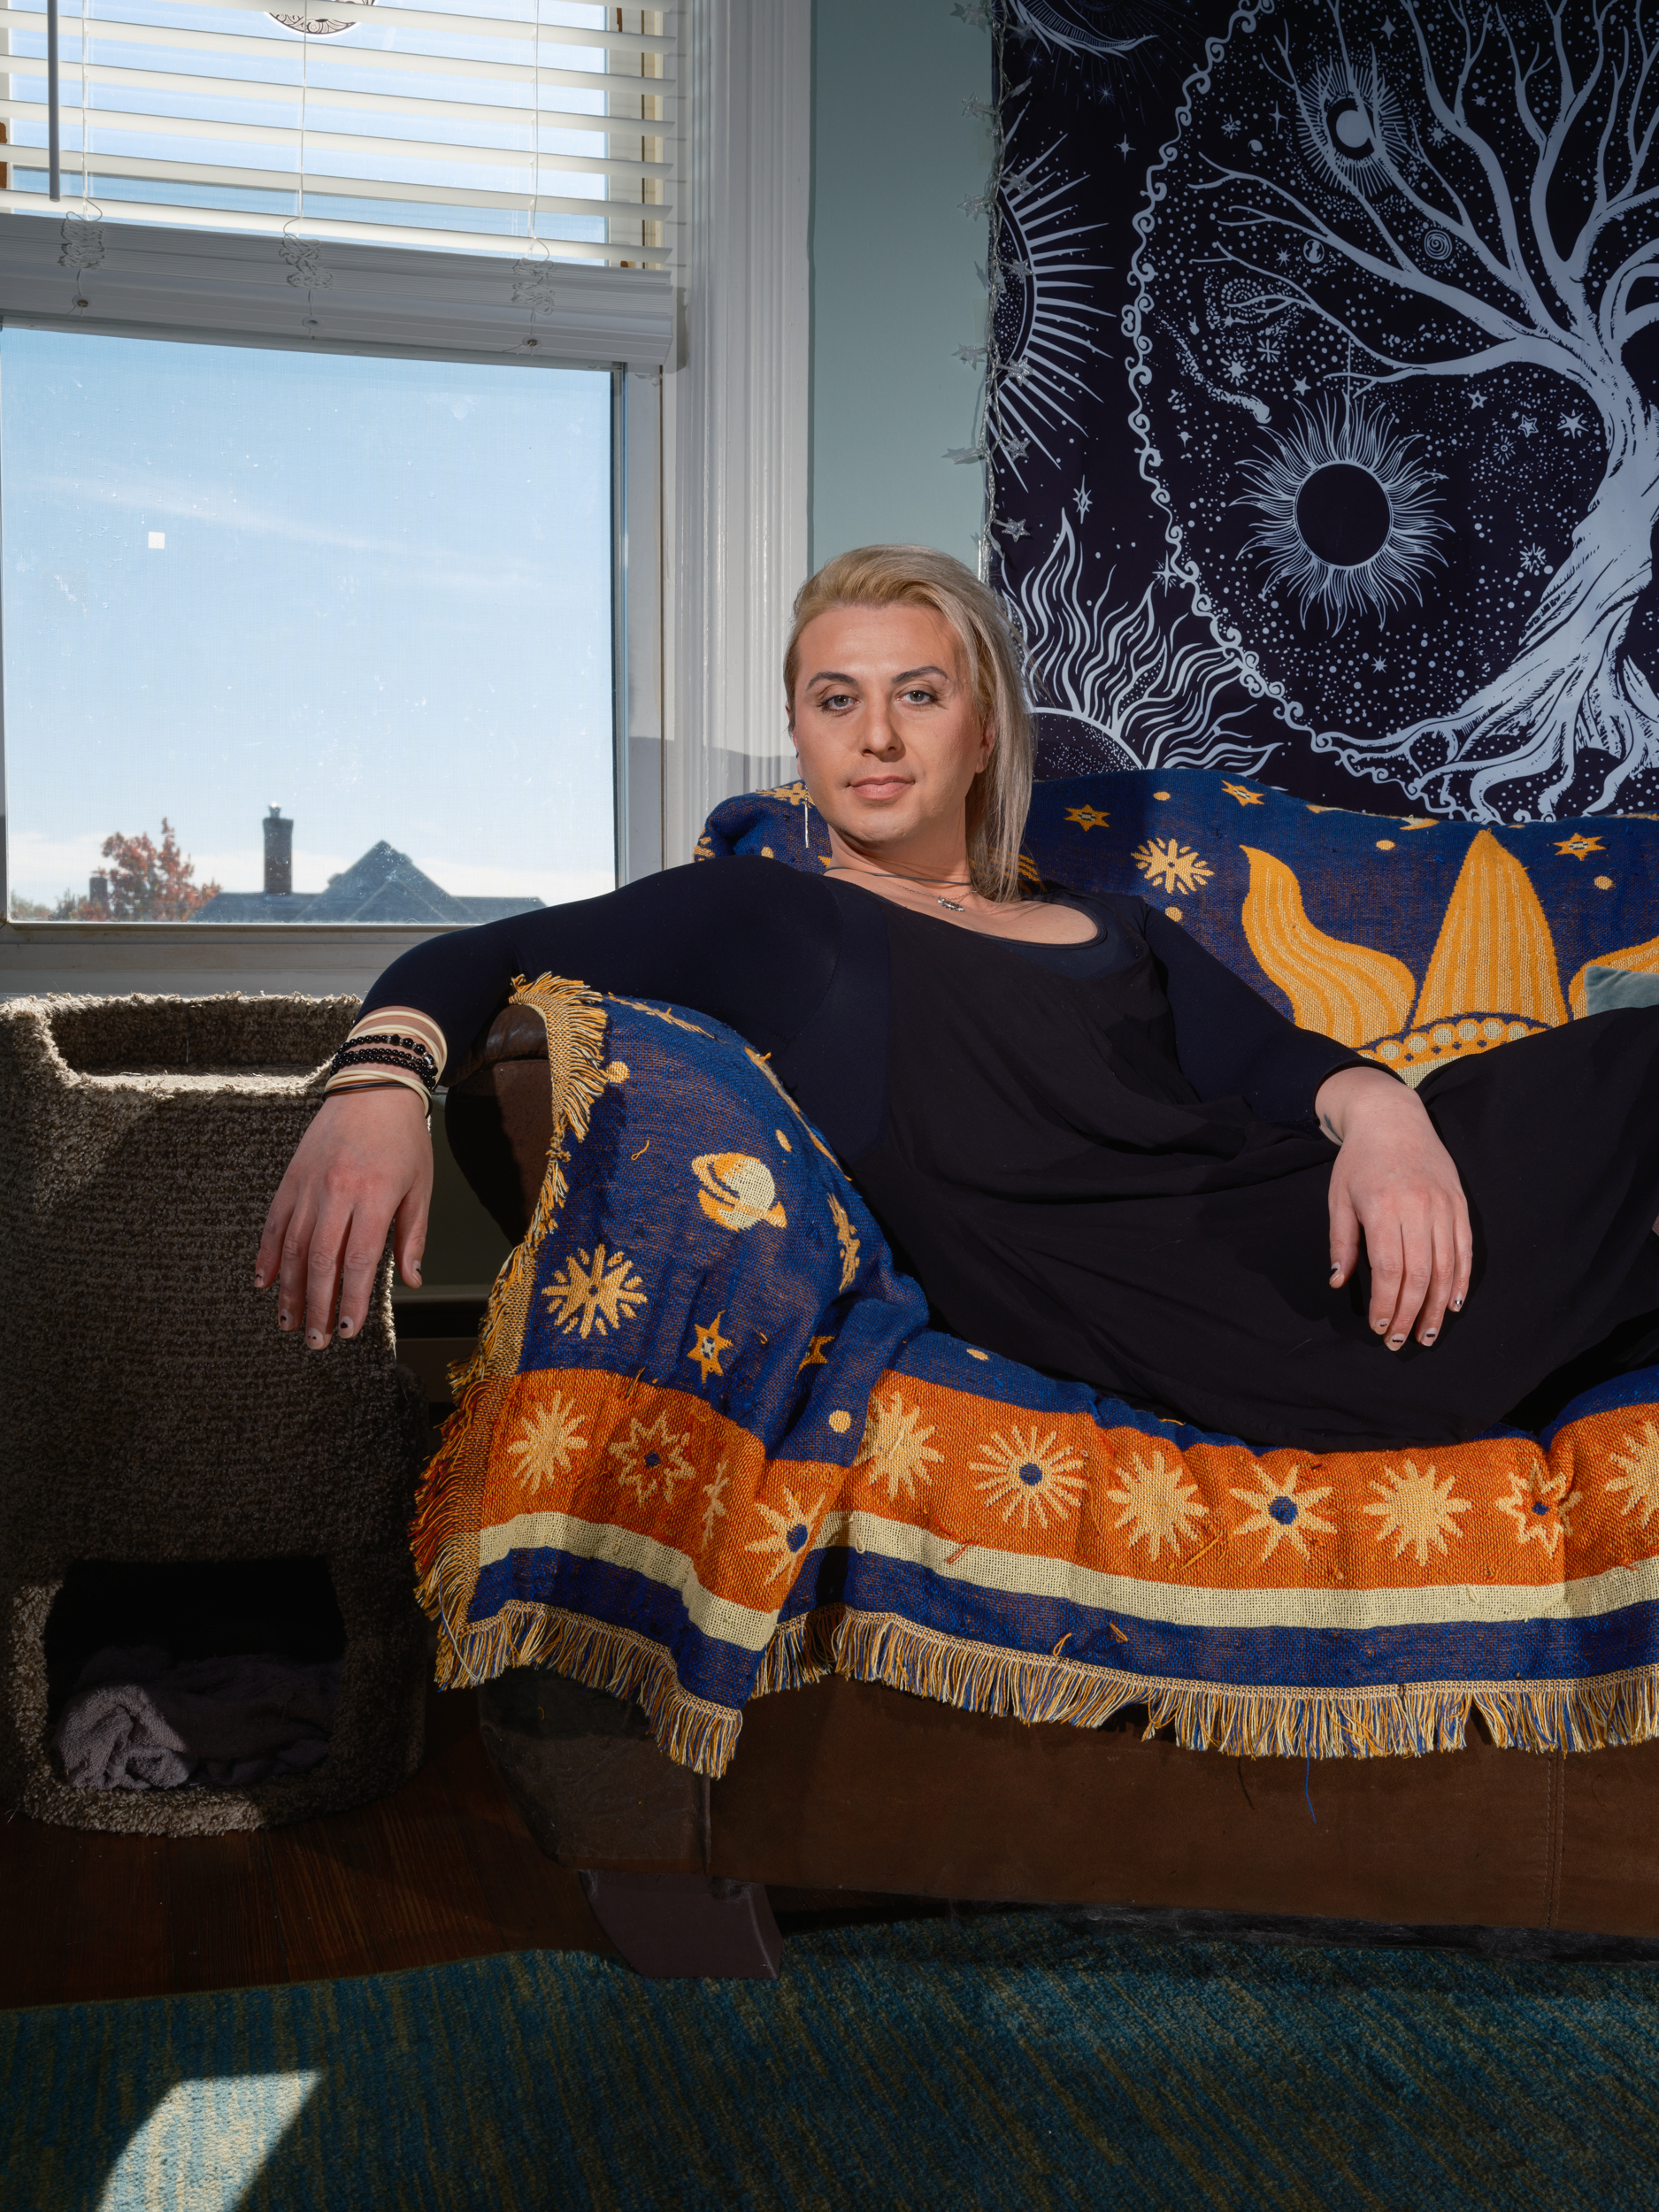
(1640, 1479)
(815, 1353)
(1243, 794)
(594, 1292)
(708, 1346)
(1159, 1501)
(1579, 846)
(651, 1458)
(1416, 1510)
(1036, 1476)
(791, 1531)
(1541, 1513)
(1282, 1514)
(895, 1446)
(552, 1435)
(847, 1236)
(1165, 860)
(1089, 818)
(713, 1502)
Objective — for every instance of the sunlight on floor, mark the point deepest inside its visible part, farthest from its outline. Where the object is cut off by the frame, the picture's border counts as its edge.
(205, 2142)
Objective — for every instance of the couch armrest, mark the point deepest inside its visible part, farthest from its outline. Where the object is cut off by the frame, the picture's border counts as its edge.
(498, 1117)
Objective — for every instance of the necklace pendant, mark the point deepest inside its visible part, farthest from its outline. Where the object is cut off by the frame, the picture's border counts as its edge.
(953, 905)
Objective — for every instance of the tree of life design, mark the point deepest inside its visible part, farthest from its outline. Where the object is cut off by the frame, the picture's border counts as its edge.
(1391, 396)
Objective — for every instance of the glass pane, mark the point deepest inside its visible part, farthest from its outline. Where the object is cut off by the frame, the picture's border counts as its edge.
(373, 594)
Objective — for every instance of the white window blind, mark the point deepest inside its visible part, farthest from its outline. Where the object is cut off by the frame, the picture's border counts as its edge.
(470, 128)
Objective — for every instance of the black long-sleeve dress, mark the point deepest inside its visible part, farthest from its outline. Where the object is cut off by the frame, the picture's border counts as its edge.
(1102, 1159)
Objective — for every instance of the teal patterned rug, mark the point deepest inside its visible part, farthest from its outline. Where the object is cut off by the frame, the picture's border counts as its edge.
(999, 2060)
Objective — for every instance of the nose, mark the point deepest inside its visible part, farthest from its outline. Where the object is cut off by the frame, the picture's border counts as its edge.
(881, 737)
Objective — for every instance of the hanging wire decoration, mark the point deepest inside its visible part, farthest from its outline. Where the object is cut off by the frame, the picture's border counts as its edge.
(317, 26)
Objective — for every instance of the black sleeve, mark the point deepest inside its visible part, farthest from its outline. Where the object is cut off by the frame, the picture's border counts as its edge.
(1231, 1043)
(749, 941)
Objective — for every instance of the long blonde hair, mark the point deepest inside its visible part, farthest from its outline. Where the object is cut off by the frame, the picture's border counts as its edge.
(915, 575)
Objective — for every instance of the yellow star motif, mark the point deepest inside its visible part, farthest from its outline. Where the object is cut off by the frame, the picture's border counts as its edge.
(651, 1456)
(1542, 1511)
(1088, 818)
(1158, 1501)
(552, 1435)
(815, 1353)
(1165, 860)
(594, 1292)
(791, 1531)
(895, 1445)
(1577, 846)
(1281, 1513)
(1639, 1481)
(1416, 1510)
(1244, 795)
(708, 1346)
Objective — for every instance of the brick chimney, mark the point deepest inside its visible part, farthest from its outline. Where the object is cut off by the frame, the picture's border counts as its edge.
(279, 852)
(99, 891)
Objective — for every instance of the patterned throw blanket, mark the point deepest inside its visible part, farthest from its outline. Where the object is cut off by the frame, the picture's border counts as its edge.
(709, 1446)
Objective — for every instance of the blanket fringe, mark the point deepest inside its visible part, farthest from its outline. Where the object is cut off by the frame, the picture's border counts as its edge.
(1383, 1722)
(574, 1019)
(602, 1656)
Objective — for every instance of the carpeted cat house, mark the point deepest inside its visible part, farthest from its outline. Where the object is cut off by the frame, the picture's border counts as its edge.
(173, 1472)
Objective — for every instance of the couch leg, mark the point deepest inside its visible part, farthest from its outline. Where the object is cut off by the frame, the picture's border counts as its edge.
(674, 1926)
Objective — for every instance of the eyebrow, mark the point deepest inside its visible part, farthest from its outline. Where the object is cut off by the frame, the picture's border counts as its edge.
(835, 676)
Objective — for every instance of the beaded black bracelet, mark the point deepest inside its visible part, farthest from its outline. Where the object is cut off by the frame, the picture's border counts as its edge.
(393, 1053)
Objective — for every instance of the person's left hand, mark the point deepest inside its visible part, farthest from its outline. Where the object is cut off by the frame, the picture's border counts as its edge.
(1395, 1183)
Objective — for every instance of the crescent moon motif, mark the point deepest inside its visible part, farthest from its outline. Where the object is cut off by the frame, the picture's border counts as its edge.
(738, 1191)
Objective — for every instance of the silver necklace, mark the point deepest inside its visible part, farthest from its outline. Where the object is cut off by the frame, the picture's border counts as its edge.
(954, 906)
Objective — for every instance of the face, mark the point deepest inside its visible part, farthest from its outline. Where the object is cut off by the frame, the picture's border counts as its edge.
(888, 731)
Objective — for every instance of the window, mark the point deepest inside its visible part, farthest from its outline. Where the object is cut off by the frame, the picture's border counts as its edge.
(315, 594)
(334, 629)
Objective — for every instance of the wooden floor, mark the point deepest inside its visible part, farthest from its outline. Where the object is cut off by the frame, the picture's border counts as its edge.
(444, 1869)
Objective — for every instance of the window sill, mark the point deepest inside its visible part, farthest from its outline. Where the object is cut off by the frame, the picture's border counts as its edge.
(197, 959)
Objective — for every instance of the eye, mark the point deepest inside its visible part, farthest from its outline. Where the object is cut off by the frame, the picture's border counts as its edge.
(835, 700)
(920, 692)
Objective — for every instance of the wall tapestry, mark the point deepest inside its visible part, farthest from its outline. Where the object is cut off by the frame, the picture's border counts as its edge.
(1321, 416)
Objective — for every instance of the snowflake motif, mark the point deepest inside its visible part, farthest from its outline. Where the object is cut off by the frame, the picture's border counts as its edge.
(1539, 1510)
(1378, 663)
(1578, 847)
(1029, 1476)
(1237, 368)
(1243, 793)
(791, 1531)
(545, 1446)
(1160, 1502)
(1574, 425)
(1281, 1515)
(847, 1236)
(1165, 861)
(1231, 126)
(651, 1458)
(1502, 446)
(1640, 1478)
(1535, 560)
(594, 1292)
(713, 1503)
(1437, 134)
(1416, 1510)
(894, 1447)
(1082, 499)
(1089, 818)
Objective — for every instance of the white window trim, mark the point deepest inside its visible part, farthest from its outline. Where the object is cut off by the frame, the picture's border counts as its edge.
(717, 525)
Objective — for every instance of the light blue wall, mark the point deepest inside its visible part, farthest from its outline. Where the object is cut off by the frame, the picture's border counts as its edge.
(894, 287)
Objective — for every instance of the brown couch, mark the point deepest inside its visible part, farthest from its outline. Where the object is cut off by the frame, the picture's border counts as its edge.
(847, 1786)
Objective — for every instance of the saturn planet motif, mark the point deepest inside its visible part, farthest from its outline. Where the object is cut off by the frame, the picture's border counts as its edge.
(738, 1191)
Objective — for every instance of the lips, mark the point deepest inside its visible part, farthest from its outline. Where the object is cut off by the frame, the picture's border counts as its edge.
(881, 786)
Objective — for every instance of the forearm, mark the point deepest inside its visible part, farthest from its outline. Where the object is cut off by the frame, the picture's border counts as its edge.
(1368, 1097)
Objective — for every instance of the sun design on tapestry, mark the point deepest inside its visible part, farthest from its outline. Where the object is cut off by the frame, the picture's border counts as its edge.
(894, 1445)
(713, 1503)
(1158, 1501)
(549, 1439)
(847, 1236)
(1542, 1512)
(1031, 1476)
(792, 1527)
(594, 1291)
(651, 1458)
(1283, 1514)
(1416, 1510)
(1165, 860)
(1639, 1481)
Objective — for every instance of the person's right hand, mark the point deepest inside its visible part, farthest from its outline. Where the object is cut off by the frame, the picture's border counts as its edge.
(365, 1162)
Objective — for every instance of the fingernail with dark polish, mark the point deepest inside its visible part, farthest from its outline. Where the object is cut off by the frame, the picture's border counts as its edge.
(345, 1328)
(1430, 1335)
(314, 1336)
(1395, 1342)
(285, 1321)
(1457, 1305)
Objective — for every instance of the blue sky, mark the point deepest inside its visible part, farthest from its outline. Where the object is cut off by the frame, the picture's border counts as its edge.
(381, 602)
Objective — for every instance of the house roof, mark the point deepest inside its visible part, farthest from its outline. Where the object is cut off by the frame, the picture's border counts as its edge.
(384, 886)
